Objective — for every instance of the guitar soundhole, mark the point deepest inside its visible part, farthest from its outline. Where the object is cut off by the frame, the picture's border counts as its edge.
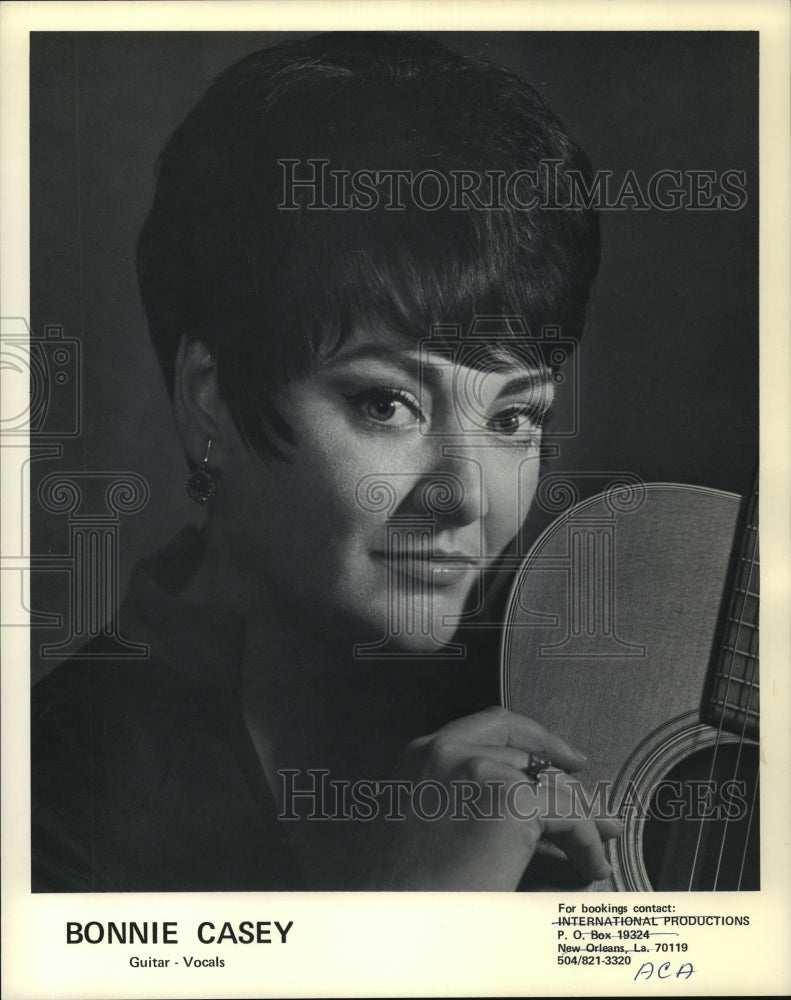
(702, 830)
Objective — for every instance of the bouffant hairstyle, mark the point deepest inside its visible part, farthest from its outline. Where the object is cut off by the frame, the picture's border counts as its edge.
(302, 199)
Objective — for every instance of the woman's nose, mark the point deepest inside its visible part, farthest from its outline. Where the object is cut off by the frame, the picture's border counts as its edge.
(454, 491)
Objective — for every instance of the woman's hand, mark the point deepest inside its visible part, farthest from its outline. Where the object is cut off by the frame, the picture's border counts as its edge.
(486, 836)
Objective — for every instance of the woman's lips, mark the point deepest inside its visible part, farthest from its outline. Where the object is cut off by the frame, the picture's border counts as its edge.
(442, 569)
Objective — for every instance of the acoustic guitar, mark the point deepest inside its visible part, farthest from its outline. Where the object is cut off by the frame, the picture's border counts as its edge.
(632, 632)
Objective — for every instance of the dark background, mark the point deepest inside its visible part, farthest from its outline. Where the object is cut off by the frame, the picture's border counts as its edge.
(670, 357)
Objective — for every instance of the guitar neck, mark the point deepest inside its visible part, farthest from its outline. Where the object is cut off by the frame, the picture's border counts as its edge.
(732, 704)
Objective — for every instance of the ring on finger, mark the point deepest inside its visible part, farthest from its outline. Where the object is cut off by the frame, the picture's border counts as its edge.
(537, 763)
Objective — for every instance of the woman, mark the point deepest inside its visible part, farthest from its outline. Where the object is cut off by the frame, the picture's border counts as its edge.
(355, 244)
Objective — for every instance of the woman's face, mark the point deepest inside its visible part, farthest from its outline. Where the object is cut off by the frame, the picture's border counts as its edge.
(410, 471)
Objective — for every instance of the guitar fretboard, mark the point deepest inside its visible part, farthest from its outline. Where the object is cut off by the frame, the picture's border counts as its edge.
(733, 702)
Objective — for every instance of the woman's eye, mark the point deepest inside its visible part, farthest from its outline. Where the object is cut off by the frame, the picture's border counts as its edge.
(390, 407)
(382, 409)
(517, 420)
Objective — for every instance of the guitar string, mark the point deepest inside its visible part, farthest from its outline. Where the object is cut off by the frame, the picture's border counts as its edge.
(749, 828)
(751, 562)
(720, 726)
(754, 564)
(701, 823)
(710, 783)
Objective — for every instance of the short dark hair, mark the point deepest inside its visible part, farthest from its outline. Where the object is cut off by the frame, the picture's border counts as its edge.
(271, 290)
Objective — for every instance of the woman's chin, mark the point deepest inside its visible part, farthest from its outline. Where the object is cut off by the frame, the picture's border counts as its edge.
(409, 640)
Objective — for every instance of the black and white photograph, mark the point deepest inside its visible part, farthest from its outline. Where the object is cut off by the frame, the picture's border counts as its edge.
(390, 468)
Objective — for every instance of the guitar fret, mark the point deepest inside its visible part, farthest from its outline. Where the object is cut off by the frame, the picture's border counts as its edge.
(739, 709)
(733, 657)
(737, 680)
(744, 622)
(740, 652)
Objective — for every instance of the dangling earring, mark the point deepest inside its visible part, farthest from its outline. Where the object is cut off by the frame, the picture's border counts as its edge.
(201, 484)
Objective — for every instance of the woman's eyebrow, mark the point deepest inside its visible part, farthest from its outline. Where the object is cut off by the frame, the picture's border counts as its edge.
(528, 382)
(409, 361)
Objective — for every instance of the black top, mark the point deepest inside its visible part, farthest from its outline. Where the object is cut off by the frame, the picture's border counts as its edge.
(143, 774)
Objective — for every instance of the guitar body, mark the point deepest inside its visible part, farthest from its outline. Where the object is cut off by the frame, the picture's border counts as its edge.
(613, 640)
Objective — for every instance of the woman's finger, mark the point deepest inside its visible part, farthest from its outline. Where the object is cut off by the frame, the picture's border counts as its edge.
(498, 727)
(513, 757)
(553, 804)
(583, 846)
(609, 827)
(564, 823)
